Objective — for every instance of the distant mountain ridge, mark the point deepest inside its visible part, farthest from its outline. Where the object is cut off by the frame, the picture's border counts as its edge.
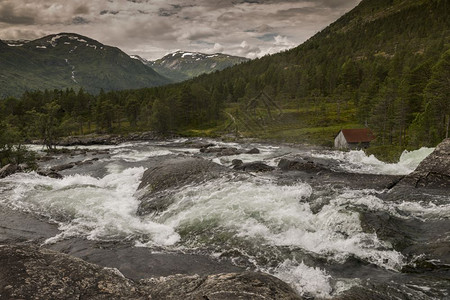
(69, 60)
(182, 65)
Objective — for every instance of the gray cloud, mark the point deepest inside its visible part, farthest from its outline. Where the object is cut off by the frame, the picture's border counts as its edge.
(152, 28)
(79, 20)
(81, 10)
(9, 16)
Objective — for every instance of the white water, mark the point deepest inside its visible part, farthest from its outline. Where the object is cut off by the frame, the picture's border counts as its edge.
(103, 209)
(358, 162)
(226, 213)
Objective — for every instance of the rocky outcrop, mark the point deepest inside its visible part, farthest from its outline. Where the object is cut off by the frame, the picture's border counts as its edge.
(7, 170)
(255, 166)
(159, 181)
(253, 151)
(433, 171)
(319, 173)
(221, 151)
(29, 272)
(106, 139)
(246, 285)
(299, 164)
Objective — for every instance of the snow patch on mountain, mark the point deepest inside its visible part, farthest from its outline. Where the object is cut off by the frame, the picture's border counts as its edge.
(73, 70)
(77, 39)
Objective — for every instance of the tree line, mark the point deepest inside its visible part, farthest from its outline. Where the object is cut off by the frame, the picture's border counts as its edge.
(396, 79)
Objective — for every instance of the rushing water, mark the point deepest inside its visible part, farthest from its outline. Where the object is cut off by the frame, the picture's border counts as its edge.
(252, 220)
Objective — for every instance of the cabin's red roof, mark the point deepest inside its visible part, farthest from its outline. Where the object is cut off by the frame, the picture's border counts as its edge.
(364, 135)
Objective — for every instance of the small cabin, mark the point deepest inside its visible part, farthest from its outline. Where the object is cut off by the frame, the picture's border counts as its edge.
(353, 138)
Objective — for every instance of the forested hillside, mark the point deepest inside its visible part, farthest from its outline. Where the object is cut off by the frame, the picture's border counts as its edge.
(385, 65)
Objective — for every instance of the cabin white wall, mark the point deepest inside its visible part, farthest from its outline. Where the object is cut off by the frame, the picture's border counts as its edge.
(340, 142)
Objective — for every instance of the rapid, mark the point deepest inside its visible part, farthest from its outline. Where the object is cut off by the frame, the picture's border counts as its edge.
(253, 219)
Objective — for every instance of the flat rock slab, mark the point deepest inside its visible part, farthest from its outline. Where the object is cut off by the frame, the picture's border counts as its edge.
(246, 285)
(139, 262)
(174, 172)
(29, 272)
(16, 226)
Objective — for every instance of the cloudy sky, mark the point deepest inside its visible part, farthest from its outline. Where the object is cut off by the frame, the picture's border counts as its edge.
(153, 28)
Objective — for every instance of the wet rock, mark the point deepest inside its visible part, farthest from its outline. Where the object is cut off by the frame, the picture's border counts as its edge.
(16, 226)
(410, 290)
(141, 262)
(173, 172)
(319, 176)
(222, 151)
(253, 151)
(89, 140)
(29, 272)
(433, 171)
(63, 167)
(398, 232)
(49, 173)
(246, 285)
(299, 164)
(159, 181)
(236, 162)
(7, 170)
(413, 238)
(86, 162)
(255, 166)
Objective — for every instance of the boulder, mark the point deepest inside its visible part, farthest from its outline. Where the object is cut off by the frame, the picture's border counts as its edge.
(255, 166)
(8, 170)
(236, 162)
(299, 164)
(221, 151)
(30, 272)
(253, 151)
(246, 285)
(159, 181)
(49, 173)
(63, 167)
(433, 171)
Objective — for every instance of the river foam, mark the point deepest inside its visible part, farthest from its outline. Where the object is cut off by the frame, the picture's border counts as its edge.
(357, 161)
(99, 209)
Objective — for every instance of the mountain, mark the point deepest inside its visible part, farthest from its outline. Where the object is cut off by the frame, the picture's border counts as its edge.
(383, 65)
(180, 65)
(69, 60)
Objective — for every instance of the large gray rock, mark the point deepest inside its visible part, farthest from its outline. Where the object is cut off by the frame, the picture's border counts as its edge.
(8, 170)
(433, 171)
(222, 151)
(159, 181)
(246, 285)
(29, 272)
(321, 173)
(299, 164)
(255, 166)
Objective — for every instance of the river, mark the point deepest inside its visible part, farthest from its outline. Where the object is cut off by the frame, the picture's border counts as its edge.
(255, 220)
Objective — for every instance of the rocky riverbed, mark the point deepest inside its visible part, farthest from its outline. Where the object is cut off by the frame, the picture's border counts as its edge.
(204, 219)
